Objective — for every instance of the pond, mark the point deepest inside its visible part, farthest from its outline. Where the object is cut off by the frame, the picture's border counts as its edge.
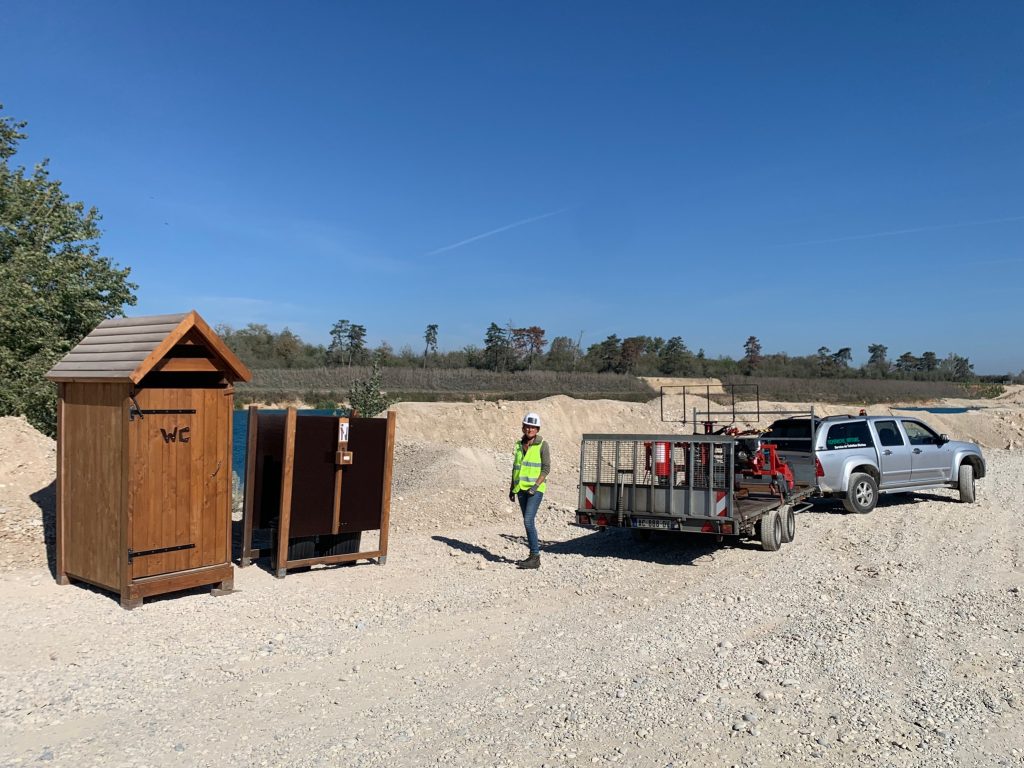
(240, 433)
(934, 409)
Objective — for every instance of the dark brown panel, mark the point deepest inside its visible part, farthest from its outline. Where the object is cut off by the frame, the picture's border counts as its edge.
(362, 491)
(267, 488)
(316, 442)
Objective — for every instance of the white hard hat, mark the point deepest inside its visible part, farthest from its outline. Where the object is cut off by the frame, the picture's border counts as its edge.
(531, 420)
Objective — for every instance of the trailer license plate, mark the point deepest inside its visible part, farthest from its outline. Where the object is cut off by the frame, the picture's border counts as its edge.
(653, 522)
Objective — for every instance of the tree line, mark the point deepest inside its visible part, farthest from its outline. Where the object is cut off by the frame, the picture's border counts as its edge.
(509, 349)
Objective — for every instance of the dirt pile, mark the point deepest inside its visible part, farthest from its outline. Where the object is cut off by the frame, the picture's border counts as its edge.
(28, 462)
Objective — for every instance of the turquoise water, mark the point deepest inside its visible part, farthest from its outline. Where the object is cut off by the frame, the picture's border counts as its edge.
(928, 409)
(240, 434)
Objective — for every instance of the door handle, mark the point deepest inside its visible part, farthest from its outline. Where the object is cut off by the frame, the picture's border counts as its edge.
(917, 450)
(887, 452)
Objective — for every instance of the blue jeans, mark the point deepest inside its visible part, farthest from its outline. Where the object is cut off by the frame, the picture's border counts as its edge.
(530, 504)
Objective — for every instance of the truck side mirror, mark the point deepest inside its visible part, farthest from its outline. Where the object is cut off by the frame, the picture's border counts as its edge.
(943, 439)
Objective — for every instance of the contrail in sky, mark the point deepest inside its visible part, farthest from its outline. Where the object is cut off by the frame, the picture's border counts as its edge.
(496, 231)
(903, 232)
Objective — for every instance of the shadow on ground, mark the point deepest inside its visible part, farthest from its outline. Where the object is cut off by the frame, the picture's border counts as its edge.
(46, 499)
(835, 506)
(661, 547)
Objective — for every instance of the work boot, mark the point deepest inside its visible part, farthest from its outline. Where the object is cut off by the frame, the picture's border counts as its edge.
(533, 561)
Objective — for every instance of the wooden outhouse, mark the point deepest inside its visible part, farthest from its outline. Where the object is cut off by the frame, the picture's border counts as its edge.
(144, 457)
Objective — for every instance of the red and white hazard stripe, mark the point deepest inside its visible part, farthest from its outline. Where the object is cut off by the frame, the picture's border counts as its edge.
(721, 508)
(588, 497)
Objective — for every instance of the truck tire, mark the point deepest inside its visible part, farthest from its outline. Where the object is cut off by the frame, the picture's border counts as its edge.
(966, 483)
(862, 495)
(788, 524)
(771, 531)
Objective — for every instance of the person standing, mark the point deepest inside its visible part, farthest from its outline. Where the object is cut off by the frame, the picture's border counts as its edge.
(531, 464)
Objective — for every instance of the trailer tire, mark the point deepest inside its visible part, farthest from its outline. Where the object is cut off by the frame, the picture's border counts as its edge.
(771, 531)
(788, 524)
(965, 480)
(862, 495)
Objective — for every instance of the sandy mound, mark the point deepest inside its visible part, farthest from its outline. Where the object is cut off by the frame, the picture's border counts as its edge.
(28, 462)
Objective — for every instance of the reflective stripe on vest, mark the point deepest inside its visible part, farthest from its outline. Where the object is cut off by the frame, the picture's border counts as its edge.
(526, 468)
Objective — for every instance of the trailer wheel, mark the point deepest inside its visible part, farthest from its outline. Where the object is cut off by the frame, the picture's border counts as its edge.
(771, 531)
(788, 524)
(966, 483)
(862, 495)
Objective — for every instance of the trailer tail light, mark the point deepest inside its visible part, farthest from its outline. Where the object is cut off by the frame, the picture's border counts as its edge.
(601, 520)
(710, 528)
(583, 519)
(818, 471)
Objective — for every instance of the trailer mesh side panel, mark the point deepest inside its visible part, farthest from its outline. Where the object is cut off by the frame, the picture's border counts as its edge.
(633, 462)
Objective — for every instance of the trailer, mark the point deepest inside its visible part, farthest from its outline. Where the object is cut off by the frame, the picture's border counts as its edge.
(724, 481)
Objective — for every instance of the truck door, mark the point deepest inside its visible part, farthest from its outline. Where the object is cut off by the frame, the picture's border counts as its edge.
(894, 454)
(931, 459)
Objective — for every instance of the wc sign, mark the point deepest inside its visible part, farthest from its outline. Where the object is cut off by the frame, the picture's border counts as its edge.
(177, 434)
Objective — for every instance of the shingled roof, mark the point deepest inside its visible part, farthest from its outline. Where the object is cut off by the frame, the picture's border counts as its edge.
(127, 348)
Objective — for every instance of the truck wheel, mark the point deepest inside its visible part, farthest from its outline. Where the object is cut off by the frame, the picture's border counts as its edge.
(771, 531)
(966, 480)
(862, 495)
(788, 524)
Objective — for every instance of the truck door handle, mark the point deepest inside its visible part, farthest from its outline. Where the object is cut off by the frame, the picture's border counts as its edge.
(887, 452)
(917, 450)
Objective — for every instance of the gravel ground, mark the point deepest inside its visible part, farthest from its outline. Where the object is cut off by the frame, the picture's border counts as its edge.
(890, 639)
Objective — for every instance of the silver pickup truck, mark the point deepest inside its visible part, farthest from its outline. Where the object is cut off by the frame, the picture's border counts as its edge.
(859, 457)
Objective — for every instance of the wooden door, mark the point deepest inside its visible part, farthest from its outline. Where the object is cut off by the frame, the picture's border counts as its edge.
(180, 480)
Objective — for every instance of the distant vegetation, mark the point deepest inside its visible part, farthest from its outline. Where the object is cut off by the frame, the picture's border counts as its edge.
(519, 363)
(856, 391)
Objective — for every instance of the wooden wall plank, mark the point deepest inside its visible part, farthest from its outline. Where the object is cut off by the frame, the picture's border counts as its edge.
(287, 467)
(91, 482)
(389, 453)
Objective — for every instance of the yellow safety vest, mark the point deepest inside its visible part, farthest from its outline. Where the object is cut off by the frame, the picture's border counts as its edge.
(526, 467)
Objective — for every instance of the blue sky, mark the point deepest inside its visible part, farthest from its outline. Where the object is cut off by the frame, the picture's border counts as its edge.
(810, 173)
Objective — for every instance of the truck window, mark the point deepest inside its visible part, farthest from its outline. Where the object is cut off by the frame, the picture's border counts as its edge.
(888, 433)
(919, 434)
(848, 434)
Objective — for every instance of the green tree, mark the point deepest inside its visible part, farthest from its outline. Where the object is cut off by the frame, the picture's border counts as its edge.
(907, 363)
(605, 356)
(878, 364)
(55, 287)
(751, 354)
(957, 368)
(430, 337)
(356, 339)
(339, 342)
(497, 348)
(365, 396)
(562, 354)
(675, 358)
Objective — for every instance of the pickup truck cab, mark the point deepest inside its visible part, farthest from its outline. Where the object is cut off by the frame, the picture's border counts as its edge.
(860, 457)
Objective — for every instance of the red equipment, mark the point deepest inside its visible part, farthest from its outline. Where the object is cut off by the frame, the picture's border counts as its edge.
(662, 453)
(766, 463)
